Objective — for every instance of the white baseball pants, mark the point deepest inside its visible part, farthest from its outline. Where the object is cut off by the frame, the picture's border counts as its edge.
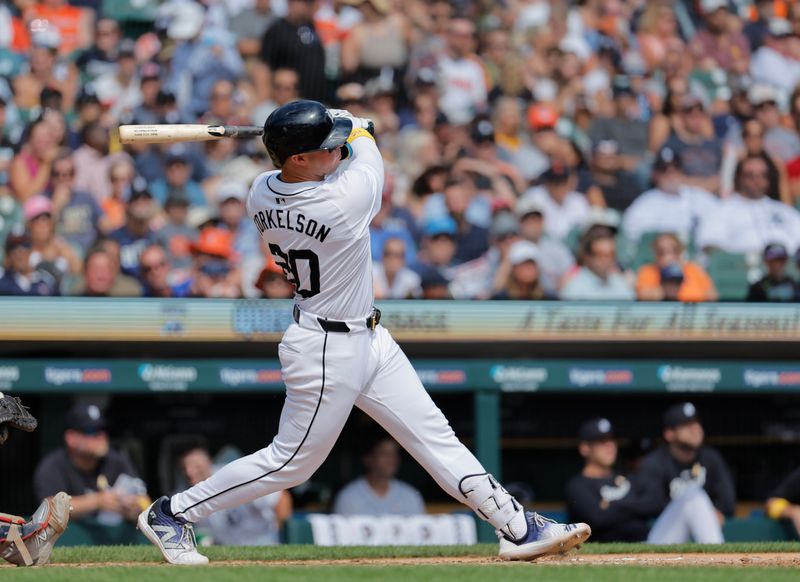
(326, 374)
(690, 517)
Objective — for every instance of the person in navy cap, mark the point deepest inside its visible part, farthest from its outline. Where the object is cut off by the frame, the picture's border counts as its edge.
(775, 285)
(662, 503)
(690, 482)
(611, 503)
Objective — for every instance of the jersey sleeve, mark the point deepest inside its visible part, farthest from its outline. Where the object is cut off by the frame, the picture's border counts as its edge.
(721, 490)
(651, 482)
(360, 185)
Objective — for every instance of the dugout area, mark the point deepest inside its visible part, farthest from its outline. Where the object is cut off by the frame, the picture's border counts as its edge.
(517, 403)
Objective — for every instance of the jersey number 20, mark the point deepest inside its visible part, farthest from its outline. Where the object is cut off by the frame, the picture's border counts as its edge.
(288, 262)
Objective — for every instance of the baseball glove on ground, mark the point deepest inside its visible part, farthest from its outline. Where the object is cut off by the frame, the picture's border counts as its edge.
(30, 543)
(14, 415)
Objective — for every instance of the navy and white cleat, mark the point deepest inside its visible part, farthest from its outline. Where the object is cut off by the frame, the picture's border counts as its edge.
(173, 537)
(545, 537)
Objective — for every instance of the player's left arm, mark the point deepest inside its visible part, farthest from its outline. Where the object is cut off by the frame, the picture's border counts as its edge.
(360, 185)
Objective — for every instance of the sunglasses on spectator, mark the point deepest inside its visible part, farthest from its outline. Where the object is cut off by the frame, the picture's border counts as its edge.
(58, 174)
(147, 269)
(693, 109)
(764, 104)
(221, 95)
(396, 254)
(754, 174)
(120, 178)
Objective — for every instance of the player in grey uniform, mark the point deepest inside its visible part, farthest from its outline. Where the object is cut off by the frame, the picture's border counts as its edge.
(314, 214)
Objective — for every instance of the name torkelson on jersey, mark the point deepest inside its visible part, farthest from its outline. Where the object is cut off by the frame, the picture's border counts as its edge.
(277, 218)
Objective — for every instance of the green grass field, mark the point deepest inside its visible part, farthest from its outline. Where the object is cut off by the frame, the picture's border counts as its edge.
(134, 563)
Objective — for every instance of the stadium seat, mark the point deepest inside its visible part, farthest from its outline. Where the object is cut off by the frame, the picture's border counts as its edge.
(730, 274)
(642, 251)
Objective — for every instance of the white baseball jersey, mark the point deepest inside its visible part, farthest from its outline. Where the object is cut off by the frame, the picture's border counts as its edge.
(318, 232)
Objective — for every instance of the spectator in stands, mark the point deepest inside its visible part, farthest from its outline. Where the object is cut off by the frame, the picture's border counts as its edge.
(671, 277)
(285, 88)
(686, 470)
(222, 105)
(378, 492)
(121, 174)
(693, 142)
(233, 217)
(774, 63)
(29, 173)
(79, 218)
(74, 24)
(136, 233)
(213, 271)
(617, 186)
(462, 83)
(524, 278)
(718, 43)
(563, 208)
(202, 56)
(154, 269)
(100, 58)
(779, 141)
(391, 277)
(753, 144)
(92, 162)
(749, 219)
(103, 483)
(512, 139)
(98, 274)
(257, 523)
(293, 42)
(272, 282)
(376, 44)
(438, 248)
(555, 259)
(176, 236)
(46, 245)
(471, 240)
(784, 503)
(18, 277)
(45, 71)
(599, 278)
(435, 285)
(664, 124)
(671, 205)
(625, 127)
(147, 110)
(250, 25)
(776, 285)
(124, 285)
(120, 89)
(177, 181)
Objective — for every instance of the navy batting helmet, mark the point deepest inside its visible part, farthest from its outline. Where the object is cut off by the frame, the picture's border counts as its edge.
(303, 126)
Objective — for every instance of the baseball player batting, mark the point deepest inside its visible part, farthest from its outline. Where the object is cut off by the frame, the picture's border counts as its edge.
(314, 214)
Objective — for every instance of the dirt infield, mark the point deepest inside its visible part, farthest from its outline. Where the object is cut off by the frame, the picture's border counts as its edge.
(758, 560)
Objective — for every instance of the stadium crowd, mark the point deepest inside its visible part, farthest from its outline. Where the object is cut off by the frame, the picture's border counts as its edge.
(596, 149)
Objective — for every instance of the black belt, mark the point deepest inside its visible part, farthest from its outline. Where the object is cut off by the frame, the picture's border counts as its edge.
(340, 326)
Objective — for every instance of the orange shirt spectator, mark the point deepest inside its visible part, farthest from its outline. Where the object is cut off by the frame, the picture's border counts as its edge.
(696, 285)
(74, 24)
(688, 282)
